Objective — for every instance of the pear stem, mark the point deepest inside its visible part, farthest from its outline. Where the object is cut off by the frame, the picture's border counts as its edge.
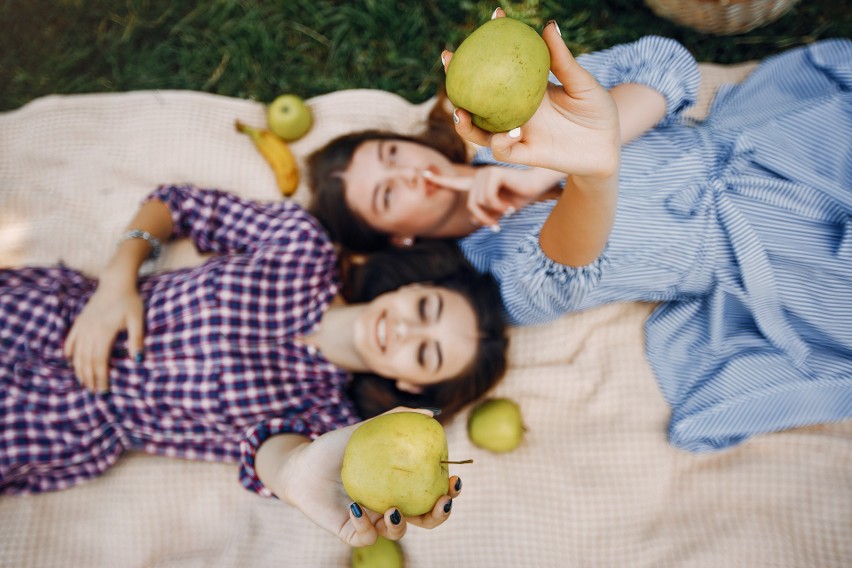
(457, 462)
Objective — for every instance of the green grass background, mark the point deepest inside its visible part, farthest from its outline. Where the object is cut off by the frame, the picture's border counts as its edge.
(260, 49)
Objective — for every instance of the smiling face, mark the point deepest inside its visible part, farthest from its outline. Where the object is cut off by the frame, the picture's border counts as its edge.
(386, 188)
(420, 335)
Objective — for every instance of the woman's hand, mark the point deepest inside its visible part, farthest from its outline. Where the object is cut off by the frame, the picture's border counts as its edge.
(575, 129)
(494, 191)
(309, 479)
(114, 307)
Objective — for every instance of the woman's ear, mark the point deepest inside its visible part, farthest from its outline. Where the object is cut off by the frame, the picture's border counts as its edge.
(402, 242)
(410, 388)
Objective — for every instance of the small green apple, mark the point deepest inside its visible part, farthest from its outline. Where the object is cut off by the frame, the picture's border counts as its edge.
(289, 117)
(397, 460)
(499, 74)
(496, 424)
(384, 553)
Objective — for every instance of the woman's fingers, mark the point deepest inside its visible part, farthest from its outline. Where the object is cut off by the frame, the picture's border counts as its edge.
(135, 337)
(456, 183)
(571, 74)
(467, 130)
(393, 525)
(446, 57)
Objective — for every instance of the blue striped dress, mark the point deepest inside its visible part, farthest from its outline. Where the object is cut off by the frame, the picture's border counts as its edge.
(738, 225)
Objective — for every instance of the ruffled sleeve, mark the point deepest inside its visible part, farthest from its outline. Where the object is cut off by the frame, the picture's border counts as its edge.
(534, 288)
(660, 63)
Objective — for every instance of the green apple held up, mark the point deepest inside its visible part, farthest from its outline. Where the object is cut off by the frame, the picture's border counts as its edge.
(289, 117)
(496, 424)
(397, 460)
(384, 553)
(499, 74)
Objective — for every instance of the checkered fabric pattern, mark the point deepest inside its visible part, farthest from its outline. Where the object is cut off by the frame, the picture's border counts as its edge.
(220, 368)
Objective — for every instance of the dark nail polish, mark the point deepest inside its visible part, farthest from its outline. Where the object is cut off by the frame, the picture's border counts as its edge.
(448, 507)
(434, 411)
(396, 518)
(140, 356)
(458, 484)
(356, 510)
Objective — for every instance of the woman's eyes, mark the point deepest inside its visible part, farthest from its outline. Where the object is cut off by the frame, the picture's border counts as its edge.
(386, 197)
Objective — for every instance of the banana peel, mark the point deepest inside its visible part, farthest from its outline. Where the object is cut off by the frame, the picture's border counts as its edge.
(277, 154)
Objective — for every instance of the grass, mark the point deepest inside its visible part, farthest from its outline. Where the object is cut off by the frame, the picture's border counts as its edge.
(259, 49)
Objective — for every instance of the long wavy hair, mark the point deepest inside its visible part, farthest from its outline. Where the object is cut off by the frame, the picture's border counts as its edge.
(439, 263)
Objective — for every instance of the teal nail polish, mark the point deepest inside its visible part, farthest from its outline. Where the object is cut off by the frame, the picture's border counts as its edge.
(448, 507)
(140, 356)
(395, 517)
(458, 484)
(356, 510)
(434, 411)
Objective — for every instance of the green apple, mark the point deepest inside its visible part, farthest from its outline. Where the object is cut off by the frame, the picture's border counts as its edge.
(289, 117)
(499, 74)
(384, 553)
(397, 460)
(496, 424)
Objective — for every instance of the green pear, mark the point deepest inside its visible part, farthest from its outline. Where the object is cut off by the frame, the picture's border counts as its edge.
(397, 460)
(499, 74)
(289, 117)
(384, 553)
(496, 424)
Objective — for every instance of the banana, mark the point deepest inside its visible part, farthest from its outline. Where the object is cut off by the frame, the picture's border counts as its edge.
(277, 154)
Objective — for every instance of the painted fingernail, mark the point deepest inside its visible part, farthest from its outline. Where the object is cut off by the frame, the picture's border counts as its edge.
(443, 61)
(356, 510)
(455, 116)
(458, 484)
(140, 356)
(494, 13)
(510, 211)
(555, 24)
(495, 228)
(448, 507)
(427, 174)
(515, 132)
(432, 409)
(395, 517)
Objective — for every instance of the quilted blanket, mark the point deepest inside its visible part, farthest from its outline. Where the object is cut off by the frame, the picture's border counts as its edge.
(594, 483)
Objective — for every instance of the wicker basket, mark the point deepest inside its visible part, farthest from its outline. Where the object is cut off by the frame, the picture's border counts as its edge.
(721, 16)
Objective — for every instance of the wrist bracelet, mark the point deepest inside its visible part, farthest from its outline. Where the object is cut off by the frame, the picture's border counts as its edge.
(156, 248)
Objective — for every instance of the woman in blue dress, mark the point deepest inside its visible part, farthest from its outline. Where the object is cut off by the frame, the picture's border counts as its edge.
(738, 225)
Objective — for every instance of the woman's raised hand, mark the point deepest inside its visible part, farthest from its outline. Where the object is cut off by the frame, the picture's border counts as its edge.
(313, 485)
(575, 129)
(114, 307)
(493, 191)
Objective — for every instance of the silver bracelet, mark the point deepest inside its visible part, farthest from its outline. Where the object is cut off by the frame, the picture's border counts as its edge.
(156, 247)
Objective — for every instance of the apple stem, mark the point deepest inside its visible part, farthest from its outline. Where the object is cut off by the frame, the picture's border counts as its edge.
(458, 462)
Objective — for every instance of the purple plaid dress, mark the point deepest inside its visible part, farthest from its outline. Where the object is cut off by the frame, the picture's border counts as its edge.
(222, 370)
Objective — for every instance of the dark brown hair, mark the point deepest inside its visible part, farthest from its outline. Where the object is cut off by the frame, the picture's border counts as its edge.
(439, 263)
(328, 199)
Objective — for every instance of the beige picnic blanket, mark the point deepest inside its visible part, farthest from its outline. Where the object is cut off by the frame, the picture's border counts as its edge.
(594, 484)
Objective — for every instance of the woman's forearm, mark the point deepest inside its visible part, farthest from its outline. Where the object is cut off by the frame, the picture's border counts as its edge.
(271, 460)
(154, 217)
(640, 108)
(579, 225)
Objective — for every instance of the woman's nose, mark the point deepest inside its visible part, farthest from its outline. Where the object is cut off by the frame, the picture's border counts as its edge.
(405, 329)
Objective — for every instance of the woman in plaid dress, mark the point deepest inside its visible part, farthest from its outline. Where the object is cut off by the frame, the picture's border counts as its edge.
(213, 362)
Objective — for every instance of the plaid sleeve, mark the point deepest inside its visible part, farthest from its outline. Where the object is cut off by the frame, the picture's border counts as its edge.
(321, 423)
(258, 434)
(221, 222)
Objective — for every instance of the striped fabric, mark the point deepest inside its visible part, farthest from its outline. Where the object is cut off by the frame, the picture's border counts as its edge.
(221, 371)
(739, 226)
